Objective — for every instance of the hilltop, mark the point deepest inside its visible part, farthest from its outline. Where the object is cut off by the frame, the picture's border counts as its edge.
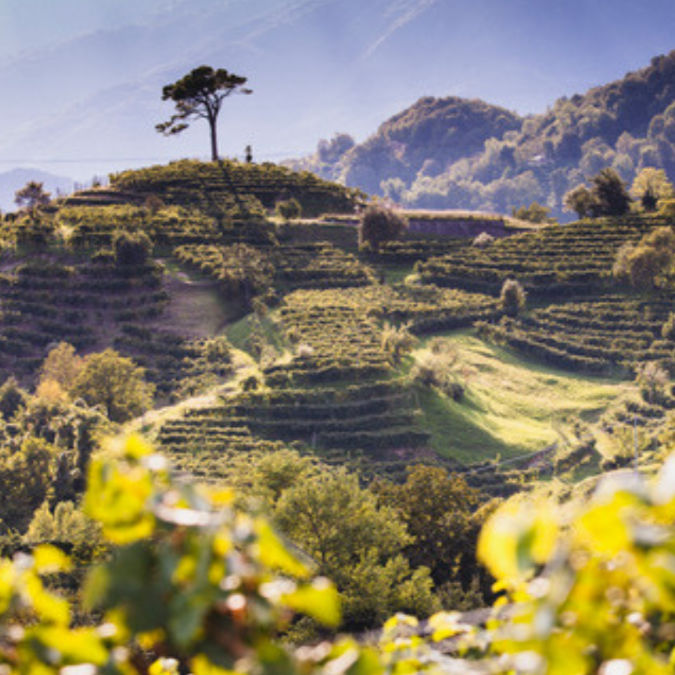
(454, 153)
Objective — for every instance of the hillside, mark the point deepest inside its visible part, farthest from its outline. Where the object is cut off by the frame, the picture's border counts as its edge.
(452, 153)
(423, 139)
(287, 335)
(376, 403)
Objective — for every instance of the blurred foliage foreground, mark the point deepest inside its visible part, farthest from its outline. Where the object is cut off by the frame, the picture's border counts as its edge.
(191, 583)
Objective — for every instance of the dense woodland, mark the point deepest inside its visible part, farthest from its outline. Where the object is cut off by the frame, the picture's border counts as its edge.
(307, 365)
(455, 153)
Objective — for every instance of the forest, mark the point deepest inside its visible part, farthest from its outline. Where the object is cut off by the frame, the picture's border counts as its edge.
(456, 153)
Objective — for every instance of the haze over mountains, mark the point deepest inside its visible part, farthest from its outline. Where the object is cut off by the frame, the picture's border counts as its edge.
(86, 77)
(458, 153)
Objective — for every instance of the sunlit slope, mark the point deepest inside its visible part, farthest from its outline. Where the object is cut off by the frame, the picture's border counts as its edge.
(510, 406)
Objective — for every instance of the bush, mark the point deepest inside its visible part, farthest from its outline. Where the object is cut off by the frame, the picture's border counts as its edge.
(512, 298)
(379, 225)
(131, 248)
(12, 397)
(396, 342)
(289, 208)
(668, 329)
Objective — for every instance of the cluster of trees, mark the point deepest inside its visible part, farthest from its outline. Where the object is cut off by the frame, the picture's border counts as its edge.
(46, 439)
(450, 153)
(195, 582)
(389, 547)
(105, 379)
(607, 196)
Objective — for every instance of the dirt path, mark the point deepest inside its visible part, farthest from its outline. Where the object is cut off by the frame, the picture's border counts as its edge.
(194, 308)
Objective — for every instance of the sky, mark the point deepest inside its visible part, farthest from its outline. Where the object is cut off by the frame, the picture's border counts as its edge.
(84, 76)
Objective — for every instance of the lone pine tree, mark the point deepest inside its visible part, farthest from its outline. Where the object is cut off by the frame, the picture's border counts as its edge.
(199, 95)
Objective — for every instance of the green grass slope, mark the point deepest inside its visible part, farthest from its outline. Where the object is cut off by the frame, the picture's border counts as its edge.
(511, 406)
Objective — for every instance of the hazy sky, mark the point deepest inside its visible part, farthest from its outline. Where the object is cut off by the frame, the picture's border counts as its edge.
(84, 76)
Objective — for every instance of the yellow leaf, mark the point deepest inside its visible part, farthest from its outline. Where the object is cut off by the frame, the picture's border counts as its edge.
(517, 536)
(164, 667)
(50, 608)
(202, 666)
(136, 448)
(320, 600)
(272, 552)
(602, 529)
(7, 580)
(49, 559)
(447, 624)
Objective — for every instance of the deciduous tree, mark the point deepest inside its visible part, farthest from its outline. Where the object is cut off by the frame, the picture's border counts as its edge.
(114, 382)
(379, 225)
(512, 298)
(31, 195)
(650, 263)
(650, 187)
(358, 543)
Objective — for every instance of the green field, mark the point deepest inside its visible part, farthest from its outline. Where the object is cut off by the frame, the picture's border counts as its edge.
(511, 406)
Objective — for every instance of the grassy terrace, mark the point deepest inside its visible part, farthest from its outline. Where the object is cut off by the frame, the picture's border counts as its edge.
(511, 405)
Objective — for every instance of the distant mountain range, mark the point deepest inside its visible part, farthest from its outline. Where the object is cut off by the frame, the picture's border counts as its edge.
(87, 95)
(457, 153)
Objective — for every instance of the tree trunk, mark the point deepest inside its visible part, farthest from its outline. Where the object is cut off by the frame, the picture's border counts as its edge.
(214, 142)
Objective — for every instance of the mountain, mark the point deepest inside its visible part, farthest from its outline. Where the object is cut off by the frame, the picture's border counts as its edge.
(90, 92)
(11, 181)
(454, 153)
(423, 138)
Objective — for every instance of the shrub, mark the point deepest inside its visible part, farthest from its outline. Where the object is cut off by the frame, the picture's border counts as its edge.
(289, 208)
(131, 248)
(304, 351)
(12, 397)
(512, 297)
(379, 224)
(668, 329)
(153, 203)
(251, 383)
(534, 213)
(652, 380)
(649, 263)
(396, 342)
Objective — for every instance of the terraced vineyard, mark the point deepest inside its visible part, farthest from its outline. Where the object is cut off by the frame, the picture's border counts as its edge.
(192, 183)
(598, 336)
(176, 365)
(204, 441)
(93, 226)
(93, 306)
(338, 394)
(409, 251)
(44, 302)
(289, 267)
(568, 259)
(320, 265)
